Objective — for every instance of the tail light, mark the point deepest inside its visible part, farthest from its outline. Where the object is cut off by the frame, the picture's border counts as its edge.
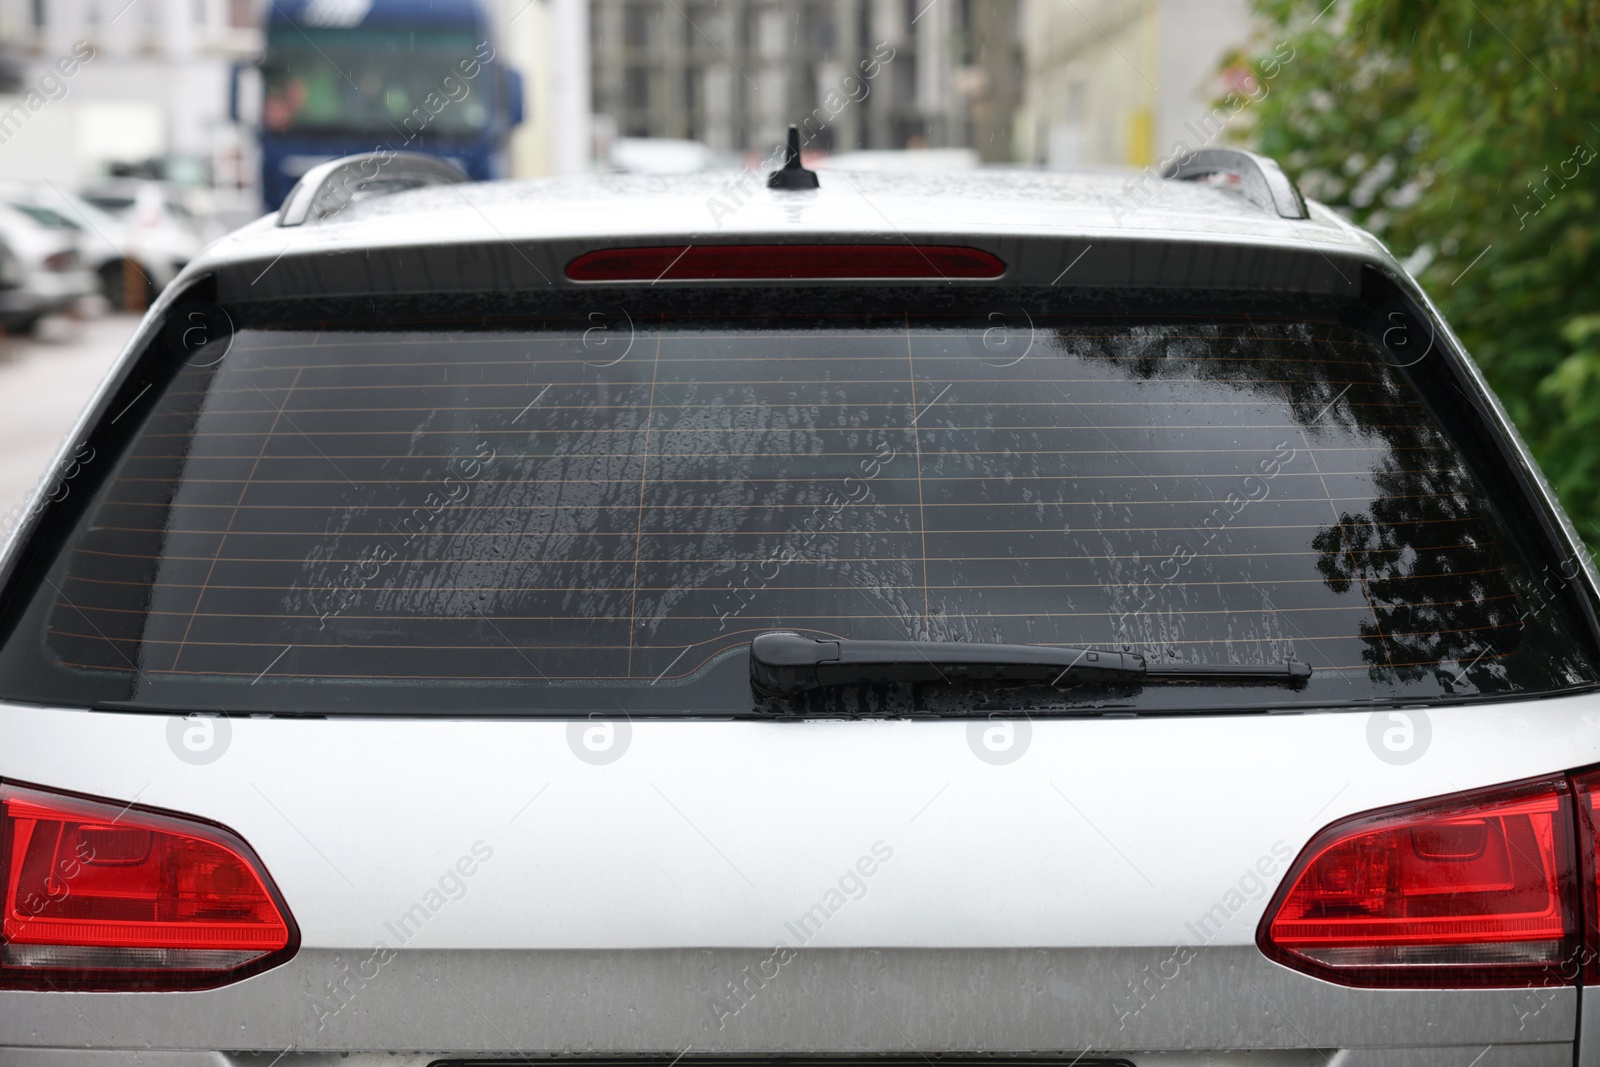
(678, 263)
(1474, 889)
(100, 895)
(61, 261)
(1586, 796)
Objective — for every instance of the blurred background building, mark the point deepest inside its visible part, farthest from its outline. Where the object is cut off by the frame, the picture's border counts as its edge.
(734, 73)
(155, 87)
(1054, 83)
(1113, 82)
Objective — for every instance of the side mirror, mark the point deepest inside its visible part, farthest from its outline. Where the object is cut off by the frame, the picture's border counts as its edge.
(515, 105)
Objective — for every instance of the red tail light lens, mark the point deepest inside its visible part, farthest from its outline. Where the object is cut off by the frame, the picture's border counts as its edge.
(1586, 792)
(99, 895)
(677, 263)
(1475, 889)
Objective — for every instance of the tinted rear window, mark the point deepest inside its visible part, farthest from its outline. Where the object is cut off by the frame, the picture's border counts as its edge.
(598, 512)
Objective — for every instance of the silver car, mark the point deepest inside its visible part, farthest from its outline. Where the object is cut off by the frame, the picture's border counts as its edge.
(940, 618)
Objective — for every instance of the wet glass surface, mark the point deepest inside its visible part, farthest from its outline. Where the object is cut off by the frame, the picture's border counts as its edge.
(527, 520)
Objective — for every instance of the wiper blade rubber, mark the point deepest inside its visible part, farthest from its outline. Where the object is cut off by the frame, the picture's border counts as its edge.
(788, 664)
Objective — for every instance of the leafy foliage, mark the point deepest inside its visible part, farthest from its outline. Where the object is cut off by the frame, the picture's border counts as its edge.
(1466, 135)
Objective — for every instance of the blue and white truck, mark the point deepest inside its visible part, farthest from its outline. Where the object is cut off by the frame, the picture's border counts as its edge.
(339, 77)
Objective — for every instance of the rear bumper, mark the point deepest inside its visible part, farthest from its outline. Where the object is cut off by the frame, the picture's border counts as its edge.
(825, 1001)
(1442, 1056)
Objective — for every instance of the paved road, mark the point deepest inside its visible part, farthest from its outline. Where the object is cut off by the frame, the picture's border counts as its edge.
(45, 381)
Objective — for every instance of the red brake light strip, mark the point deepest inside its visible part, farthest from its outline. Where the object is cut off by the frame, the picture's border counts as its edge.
(676, 263)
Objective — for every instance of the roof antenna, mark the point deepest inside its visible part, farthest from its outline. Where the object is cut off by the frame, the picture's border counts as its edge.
(792, 175)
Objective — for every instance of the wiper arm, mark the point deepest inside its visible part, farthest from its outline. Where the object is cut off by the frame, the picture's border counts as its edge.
(787, 664)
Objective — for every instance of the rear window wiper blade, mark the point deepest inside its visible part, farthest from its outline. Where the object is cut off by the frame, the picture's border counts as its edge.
(788, 664)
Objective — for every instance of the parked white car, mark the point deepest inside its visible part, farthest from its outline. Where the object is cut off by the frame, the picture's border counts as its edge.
(150, 202)
(975, 618)
(54, 276)
(150, 247)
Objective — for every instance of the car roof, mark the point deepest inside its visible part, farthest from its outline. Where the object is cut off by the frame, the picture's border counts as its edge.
(736, 207)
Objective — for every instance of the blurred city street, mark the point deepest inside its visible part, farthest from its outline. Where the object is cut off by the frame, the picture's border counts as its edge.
(45, 381)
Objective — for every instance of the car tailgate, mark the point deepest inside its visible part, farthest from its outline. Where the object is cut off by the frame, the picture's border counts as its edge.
(534, 889)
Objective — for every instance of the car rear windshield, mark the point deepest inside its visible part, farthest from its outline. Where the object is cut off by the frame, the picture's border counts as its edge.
(595, 509)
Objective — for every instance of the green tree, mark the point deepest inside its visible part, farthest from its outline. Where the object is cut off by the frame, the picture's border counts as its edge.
(1466, 135)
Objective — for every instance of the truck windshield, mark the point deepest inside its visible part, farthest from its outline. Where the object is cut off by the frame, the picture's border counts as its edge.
(590, 511)
(380, 82)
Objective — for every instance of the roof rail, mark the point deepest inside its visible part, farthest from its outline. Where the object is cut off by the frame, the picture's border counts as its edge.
(330, 187)
(1261, 179)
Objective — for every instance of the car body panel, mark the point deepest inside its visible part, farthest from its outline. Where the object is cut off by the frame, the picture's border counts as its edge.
(1179, 797)
(1083, 865)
